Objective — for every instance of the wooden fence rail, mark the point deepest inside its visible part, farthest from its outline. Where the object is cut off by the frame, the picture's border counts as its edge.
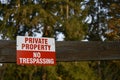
(68, 51)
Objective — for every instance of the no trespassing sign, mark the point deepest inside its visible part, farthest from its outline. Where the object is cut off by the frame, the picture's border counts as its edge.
(35, 51)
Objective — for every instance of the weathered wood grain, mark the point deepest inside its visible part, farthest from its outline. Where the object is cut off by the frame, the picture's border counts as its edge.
(76, 51)
(69, 51)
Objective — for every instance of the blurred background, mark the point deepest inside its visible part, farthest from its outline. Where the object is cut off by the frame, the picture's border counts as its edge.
(64, 20)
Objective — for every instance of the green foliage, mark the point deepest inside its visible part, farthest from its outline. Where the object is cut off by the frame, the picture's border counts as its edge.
(105, 20)
(75, 29)
(62, 71)
(76, 71)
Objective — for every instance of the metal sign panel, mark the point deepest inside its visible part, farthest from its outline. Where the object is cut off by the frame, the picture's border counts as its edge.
(35, 51)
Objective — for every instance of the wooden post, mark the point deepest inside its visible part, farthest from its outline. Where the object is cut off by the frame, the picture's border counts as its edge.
(68, 51)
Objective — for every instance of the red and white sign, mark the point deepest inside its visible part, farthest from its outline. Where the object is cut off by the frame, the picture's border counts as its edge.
(35, 51)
